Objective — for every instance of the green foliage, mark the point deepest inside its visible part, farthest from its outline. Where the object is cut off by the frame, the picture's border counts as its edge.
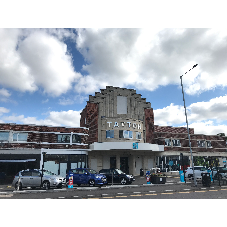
(202, 161)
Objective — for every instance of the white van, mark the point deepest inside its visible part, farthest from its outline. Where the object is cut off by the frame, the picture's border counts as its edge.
(197, 169)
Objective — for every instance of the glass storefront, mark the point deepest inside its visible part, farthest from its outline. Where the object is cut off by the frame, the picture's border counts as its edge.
(61, 163)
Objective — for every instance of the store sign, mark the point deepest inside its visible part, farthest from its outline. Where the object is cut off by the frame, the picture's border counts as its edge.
(125, 124)
(135, 145)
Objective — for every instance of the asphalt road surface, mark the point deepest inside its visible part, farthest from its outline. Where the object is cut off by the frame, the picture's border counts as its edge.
(173, 189)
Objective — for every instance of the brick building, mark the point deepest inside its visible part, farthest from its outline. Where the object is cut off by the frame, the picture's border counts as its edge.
(176, 141)
(122, 135)
(121, 127)
(22, 147)
(116, 131)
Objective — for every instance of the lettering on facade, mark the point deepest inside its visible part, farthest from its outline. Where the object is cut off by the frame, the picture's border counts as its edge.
(116, 124)
(134, 125)
(109, 123)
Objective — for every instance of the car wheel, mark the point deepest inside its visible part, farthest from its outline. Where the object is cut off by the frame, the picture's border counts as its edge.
(78, 185)
(46, 185)
(123, 181)
(16, 186)
(91, 182)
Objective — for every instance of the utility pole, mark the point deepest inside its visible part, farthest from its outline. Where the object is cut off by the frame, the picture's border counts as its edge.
(195, 183)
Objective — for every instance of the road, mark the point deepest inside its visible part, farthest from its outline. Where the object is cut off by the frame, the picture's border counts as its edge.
(173, 189)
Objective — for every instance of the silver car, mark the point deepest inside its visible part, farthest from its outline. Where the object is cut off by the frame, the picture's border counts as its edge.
(32, 178)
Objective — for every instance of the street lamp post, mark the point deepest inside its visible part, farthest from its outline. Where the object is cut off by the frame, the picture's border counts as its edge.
(44, 154)
(195, 183)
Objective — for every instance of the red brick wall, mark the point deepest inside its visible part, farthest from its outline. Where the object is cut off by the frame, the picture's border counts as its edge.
(37, 138)
(91, 113)
(171, 129)
(149, 125)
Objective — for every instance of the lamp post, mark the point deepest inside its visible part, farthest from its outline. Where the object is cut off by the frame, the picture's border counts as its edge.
(44, 154)
(195, 184)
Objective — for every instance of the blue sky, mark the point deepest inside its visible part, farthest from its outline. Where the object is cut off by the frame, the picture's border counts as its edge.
(47, 75)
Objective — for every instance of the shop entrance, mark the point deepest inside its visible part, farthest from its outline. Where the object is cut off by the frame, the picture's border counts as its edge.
(124, 164)
(113, 162)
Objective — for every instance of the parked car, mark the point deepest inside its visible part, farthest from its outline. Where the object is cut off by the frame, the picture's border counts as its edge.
(118, 176)
(197, 169)
(86, 176)
(222, 172)
(32, 178)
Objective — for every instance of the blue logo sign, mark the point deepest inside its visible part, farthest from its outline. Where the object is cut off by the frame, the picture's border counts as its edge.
(135, 145)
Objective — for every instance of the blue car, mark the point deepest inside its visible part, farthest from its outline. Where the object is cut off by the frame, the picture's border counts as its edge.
(86, 176)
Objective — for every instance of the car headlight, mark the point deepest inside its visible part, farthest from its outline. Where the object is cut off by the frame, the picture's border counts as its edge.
(129, 176)
(97, 177)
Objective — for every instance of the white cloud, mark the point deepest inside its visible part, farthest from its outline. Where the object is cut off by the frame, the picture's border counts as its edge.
(149, 58)
(72, 100)
(45, 101)
(170, 115)
(207, 128)
(30, 59)
(205, 117)
(4, 95)
(63, 118)
(3, 110)
(215, 108)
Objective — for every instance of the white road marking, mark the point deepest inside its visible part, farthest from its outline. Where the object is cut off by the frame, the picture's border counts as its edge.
(9, 195)
(136, 192)
(90, 195)
(120, 193)
(61, 197)
(75, 196)
(187, 189)
(169, 190)
(152, 191)
(104, 194)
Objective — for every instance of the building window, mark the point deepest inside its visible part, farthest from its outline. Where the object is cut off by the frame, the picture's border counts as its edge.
(109, 134)
(121, 105)
(125, 134)
(138, 136)
(208, 143)
(76, 138)
(4, 136)
(201, 143)
(20, 136)
(176, 143)
(167, 142)
(64, 138)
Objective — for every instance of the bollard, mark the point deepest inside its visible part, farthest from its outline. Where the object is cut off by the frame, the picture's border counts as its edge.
(70, 185)
(148, 180)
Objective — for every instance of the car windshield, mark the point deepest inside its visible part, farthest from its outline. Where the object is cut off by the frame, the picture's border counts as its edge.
(119, 171)
(47, 172)
(91, 171)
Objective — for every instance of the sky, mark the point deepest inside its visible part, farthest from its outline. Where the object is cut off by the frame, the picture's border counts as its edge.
(47, 75)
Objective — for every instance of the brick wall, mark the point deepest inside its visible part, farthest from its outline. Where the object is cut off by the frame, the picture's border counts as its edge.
(37, 135)
(91, 114)
(171, 129)
(149, 125)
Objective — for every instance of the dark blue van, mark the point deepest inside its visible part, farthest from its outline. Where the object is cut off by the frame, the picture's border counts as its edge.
(86, 176)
